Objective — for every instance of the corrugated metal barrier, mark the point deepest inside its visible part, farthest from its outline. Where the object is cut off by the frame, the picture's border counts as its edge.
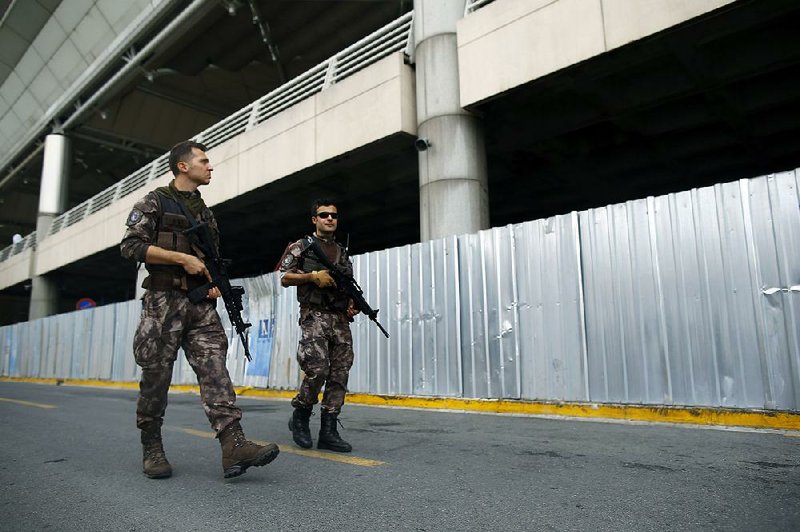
(685, 299)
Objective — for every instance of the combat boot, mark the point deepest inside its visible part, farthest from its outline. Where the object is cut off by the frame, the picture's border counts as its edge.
(298, 424)
(239, 453)
(154, 461)
(328, 435)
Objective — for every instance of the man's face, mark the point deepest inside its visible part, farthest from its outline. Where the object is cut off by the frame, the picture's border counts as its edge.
(198, 169)
(326, 219)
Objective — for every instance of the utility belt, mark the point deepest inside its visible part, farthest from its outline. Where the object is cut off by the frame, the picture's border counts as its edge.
(325, 299)
(168, 281)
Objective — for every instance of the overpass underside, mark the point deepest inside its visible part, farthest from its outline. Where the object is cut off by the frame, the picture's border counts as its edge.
(713, 99)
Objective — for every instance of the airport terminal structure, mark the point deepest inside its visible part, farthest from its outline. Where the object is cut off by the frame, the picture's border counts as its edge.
(587, 201)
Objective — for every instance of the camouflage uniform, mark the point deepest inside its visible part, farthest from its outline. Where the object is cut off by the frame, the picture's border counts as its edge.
(169, 320)
(325, 352)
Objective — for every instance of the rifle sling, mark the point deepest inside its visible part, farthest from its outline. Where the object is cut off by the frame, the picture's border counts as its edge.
(193, 221)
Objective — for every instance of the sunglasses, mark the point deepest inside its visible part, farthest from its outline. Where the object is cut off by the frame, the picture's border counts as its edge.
(326, 214)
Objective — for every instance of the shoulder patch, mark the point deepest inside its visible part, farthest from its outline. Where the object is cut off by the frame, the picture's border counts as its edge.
(287, 260)
(134, 217)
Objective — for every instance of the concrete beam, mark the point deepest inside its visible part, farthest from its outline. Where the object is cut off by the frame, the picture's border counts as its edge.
(511, 42)
(16, 269)
(366, 107)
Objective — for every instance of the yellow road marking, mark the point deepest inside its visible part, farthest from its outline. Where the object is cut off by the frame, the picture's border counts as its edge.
(346, 459)
(28, 403)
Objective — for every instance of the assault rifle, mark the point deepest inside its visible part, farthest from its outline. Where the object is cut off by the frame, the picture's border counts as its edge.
(200, 237)
(343, 281)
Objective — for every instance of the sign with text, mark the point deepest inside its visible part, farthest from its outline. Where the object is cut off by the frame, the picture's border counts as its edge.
(261, 349)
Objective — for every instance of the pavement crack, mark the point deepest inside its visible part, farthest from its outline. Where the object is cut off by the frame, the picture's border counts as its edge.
(769, 465)
(549, 454)
(648, 467)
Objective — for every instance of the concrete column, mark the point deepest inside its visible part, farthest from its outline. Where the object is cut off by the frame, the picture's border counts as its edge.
(453, 187)
(52, 202)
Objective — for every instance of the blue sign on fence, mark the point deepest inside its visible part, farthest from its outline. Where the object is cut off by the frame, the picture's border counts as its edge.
(261, 349)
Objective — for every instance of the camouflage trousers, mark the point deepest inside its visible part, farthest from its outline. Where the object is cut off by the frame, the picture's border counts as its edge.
(169, 320)
(325, 355)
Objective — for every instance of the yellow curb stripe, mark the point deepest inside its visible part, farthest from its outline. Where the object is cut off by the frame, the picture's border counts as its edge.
(28, 403)
(346, 459)
(664, 414)
(763, 419)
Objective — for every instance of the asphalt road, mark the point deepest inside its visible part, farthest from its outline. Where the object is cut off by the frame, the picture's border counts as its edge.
(70, 460)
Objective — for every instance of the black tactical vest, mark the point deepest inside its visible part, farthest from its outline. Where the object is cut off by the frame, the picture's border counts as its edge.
(310, 295)
(169, 236)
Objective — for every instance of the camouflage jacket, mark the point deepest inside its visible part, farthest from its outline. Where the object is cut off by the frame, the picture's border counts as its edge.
(309, 295)
(144, 222)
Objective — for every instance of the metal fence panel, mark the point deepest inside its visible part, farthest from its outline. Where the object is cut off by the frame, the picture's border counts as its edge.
(424, 354)
(102, 342)
(80, 344)
(501, 311)
(380, 363)
(491, 366)
(551, 329)
(776, 251)
(9, 348)
(30, 349)
(445, 310)
(372, 366)
(739, 361)
(284, 369)
(123, 366)
(48, 345)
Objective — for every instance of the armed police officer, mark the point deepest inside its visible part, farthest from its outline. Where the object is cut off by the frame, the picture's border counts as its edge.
(156, 236)
(325, 352)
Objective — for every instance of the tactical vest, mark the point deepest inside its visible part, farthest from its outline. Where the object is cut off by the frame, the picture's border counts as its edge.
(169, 236)
(310, 295)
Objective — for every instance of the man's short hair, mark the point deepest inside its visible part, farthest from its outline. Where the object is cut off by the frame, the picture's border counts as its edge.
(319, 203)
(182, 152)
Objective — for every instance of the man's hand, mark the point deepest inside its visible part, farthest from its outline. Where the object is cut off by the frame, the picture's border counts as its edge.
(194, 266)
(322, 279)
(214, 293)
(352, 311)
